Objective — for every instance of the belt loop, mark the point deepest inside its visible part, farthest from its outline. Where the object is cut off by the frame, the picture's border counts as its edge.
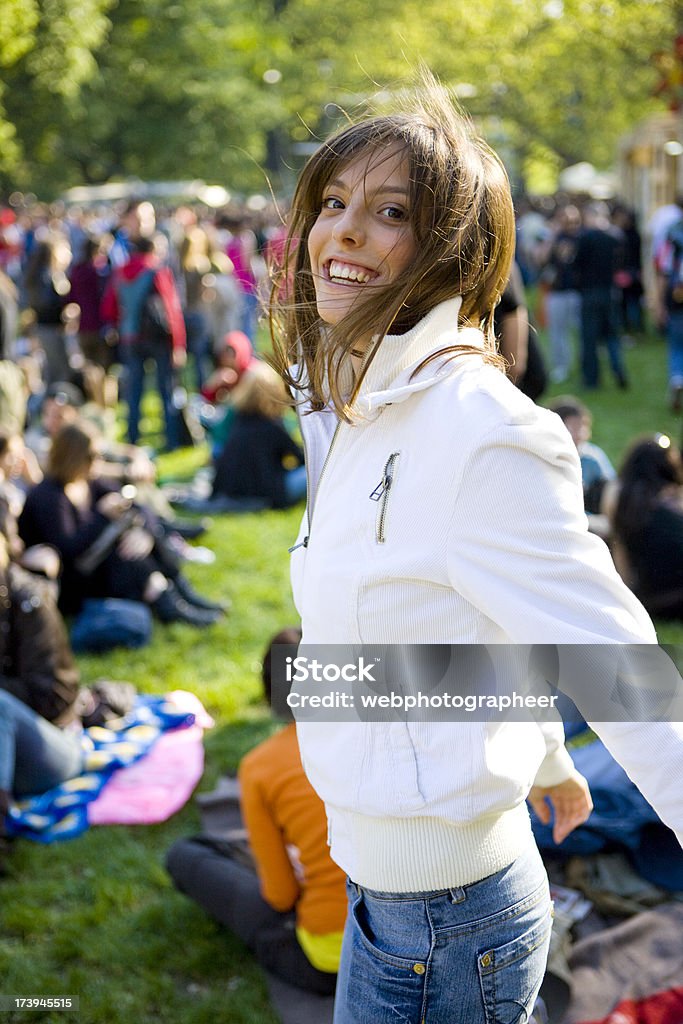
(458, 895)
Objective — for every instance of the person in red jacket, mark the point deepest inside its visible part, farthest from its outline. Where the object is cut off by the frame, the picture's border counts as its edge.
(125, 305)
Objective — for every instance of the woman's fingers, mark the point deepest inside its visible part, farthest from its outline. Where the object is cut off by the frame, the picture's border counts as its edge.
(571, 805)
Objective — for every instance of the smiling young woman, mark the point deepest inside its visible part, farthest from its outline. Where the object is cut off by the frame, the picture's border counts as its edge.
(444, 508)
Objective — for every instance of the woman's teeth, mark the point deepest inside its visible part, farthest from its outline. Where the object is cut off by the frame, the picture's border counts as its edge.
(344, 272)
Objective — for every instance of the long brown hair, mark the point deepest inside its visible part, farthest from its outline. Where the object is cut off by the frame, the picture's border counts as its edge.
(461, 215)
(73, 448)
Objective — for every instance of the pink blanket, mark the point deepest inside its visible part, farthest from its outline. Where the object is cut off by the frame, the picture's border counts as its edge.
(159, 784)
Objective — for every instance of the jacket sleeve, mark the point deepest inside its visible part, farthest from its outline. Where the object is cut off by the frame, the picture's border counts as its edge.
(520, 551)
(109, 307)
(279, 886)
(165, 285)
(43, 659)
(557, 764)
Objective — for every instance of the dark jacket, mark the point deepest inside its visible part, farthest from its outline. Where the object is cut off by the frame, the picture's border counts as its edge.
(251, 462)
(598, 256)
(36, 662)
(48, 517)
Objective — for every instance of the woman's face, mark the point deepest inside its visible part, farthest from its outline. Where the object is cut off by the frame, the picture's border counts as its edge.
(362, 238)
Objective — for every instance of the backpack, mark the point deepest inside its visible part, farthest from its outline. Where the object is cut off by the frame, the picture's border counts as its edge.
(143, 313)
(154, 325)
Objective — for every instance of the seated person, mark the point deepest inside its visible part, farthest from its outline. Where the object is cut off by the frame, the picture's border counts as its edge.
(251, 464)
(39, 686)
(597, 472)
(64, 403)
(18, 472)
(234, 355)
(73, 507)
(38, 666)
(291, 911)
(125, 463)
(648, 525)
(34, 756)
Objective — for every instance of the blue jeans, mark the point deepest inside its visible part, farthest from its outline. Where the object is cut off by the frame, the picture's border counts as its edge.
(563, 311)
(471, 955)
(34, 754)
(599, 322)
(249, 315)
(674, 338)
(134, 356)
(198, 345)
(295, 485)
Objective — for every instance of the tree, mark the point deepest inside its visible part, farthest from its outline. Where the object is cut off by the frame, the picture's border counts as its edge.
(159, 88)
(46, 53)
(566, 76)
(173, 91)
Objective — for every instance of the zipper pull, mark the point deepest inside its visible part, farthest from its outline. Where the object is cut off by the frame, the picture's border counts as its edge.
(386, 481)
(301, 544)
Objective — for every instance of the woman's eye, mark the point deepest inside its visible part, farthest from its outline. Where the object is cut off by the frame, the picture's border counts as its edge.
(394, 213)
(332, 203)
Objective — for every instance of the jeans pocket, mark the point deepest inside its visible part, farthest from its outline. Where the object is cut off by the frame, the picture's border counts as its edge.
(381, 937)
(510, 974)
(379, 981)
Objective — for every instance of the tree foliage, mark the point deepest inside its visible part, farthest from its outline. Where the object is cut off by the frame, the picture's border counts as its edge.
(176, 89)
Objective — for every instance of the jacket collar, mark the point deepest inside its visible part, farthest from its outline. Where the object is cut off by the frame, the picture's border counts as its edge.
(391, 376)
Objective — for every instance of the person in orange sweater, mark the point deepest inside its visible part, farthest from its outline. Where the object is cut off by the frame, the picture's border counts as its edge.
(291, 910)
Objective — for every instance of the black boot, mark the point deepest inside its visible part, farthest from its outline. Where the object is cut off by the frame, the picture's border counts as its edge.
(187, 591)
(187, 528)
(172, 607)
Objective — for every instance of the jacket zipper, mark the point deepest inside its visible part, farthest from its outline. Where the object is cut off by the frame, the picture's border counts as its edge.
(309, 507)
(383, 497)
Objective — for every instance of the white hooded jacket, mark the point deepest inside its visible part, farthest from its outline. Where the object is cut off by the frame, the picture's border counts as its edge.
(452, 512)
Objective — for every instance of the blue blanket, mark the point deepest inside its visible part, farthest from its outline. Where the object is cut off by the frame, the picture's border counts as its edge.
(621, 816)
(61, 813)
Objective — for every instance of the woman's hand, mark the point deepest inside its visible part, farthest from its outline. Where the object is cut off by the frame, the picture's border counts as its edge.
(113, 505)
(135, 544)
(571, 804)
(42, 558)
(178, 358)
(141, 469)
(27, 467)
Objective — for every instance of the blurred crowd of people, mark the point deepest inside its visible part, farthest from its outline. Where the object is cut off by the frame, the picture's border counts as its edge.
(587, 263)
(89, 302)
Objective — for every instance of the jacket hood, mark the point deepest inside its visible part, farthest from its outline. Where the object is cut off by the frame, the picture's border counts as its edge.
(391, 377)
(244, 352)
(138, 263)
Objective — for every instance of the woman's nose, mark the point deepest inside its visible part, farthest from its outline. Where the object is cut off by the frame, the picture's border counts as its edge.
(349, 227)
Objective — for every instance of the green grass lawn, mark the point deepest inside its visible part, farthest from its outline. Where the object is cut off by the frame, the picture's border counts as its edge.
(97, 917)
